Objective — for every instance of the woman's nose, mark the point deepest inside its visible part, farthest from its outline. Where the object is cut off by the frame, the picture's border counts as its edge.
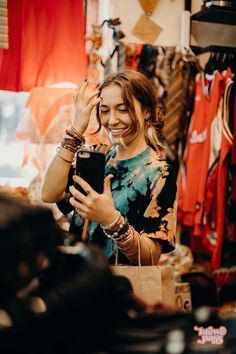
(113, 119)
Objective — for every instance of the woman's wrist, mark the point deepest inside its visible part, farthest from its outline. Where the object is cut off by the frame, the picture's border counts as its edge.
(72, 140)
(113, 222)
(65, 155)
(78, 132)
(79, 127)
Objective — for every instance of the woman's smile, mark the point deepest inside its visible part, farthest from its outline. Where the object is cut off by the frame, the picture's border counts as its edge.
(116, 132)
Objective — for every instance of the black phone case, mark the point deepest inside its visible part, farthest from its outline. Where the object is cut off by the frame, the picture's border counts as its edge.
(90, 165)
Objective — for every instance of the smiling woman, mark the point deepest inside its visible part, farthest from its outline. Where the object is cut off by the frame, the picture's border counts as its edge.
(137, 204)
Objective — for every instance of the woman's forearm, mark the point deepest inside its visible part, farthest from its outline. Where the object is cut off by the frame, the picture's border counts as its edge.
(56, 177)
(150, 249)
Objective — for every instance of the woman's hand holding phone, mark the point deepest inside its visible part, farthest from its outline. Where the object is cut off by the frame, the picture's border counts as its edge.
(94, 206)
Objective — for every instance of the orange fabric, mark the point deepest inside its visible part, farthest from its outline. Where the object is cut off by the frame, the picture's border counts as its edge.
(48, 112)
(193, 175)
(46, 44)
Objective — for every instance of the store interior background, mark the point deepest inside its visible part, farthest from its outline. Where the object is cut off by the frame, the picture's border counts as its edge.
(169, 14)
(25, 153)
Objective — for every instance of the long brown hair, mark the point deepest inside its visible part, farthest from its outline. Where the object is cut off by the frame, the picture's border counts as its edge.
(134, 84)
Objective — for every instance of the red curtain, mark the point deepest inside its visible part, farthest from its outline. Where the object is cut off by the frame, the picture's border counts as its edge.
(46, 44)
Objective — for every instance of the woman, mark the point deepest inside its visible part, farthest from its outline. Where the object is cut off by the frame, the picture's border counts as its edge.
(135, 212)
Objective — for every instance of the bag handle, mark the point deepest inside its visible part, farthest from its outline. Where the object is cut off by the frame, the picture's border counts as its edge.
(139, 252)
(150, 249)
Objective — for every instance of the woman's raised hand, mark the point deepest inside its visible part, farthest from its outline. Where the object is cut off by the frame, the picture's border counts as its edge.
(85, 100)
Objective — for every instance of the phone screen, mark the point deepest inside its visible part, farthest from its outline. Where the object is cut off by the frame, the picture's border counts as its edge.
(90, 165)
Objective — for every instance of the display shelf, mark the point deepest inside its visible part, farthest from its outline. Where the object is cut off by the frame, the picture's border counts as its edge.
(216, 15)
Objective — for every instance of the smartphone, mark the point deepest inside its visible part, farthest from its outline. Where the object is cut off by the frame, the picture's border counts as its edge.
(90, 165)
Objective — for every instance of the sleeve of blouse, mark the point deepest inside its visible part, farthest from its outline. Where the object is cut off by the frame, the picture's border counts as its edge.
(64, 205)
(160, 215)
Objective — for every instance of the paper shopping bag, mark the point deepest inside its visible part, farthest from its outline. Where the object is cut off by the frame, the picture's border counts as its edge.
(152, 284)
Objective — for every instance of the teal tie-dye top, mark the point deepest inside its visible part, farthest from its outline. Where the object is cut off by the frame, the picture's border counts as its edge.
(143, 189)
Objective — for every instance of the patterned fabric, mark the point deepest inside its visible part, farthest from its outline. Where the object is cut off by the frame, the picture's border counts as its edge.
(143, 189)
(121, 57)
(4, 41)
(179, 104)
(47, 113)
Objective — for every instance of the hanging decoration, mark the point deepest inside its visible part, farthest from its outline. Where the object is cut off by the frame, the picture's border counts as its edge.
(148, 6)
(146, 29)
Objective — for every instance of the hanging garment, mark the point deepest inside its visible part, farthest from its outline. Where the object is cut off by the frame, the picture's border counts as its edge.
(46, 44)
(121, 57)
(133, 52)
(164, 67)
(48, 113)
(226, 144)
(107, 68)
(214, 217)
(179, 105)
(173, 106)
(215, 134)
(194, 168)
(232, 203)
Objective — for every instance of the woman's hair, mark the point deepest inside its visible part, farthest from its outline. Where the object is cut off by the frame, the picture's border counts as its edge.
(136, 85)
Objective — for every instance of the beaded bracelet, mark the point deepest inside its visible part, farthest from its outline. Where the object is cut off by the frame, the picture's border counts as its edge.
(122, 237)
(119, 234)
(71, 144)
(114, 222)
(72, 140)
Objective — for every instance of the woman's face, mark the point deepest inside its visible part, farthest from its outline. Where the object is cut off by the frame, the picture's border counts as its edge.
(116, 119)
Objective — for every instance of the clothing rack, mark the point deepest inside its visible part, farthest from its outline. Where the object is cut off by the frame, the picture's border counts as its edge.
(212, 49)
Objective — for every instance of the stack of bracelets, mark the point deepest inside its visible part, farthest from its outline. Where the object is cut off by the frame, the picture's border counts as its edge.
(122, 234)
(72, 141)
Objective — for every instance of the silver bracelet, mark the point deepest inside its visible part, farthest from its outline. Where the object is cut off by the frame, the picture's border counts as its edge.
(109, 226)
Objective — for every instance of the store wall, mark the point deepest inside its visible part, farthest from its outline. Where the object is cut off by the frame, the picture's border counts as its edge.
(167, 14)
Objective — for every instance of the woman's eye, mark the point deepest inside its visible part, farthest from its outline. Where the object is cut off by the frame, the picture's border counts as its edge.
(104, 111)
(123, 110)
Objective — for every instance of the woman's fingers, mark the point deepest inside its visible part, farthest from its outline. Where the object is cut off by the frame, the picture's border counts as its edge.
(83, 92)
(85, 100)
(78, 90)
(107, 184)
(77, 194)
(92, 94)
(80, 207)
(85, 185)
(82, 87)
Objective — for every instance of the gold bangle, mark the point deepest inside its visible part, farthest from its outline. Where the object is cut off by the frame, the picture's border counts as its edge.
(58, 154)
(80, 135)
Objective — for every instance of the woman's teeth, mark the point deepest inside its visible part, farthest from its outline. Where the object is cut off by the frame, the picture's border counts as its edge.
(116, 131)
